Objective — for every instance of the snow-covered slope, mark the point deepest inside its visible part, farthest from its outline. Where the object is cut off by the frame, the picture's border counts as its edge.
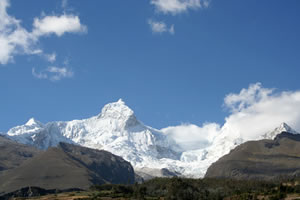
(282, 128)
(117, 130)
(37, 134)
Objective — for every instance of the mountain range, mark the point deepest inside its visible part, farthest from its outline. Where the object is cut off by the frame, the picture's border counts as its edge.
(117, 130)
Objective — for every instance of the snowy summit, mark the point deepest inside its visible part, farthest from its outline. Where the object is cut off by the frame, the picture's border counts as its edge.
(117, 130)
(282, 128)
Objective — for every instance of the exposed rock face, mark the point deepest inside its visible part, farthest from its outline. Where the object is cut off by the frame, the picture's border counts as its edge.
(68, 166)
(264, 159)
(111, 168)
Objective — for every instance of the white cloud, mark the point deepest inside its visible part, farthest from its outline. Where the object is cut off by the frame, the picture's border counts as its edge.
(58, 25)
(178, 6)
(257, 110)
(39, 75)
(190, 136)
(254, 112)
(5, 50)
(247, 97)
(160, 27)
(14, 39)
(53, 73)
(50, 57)
(173, 7)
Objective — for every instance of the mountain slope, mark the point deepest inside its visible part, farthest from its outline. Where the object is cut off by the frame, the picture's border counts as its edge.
(68, 166)
(13, 154)
(264, 159)
(36, 134)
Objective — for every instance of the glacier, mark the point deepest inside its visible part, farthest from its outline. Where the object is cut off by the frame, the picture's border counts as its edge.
(117, 130)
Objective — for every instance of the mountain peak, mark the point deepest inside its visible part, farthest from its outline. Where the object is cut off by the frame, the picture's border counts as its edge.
(120, 101)
(119, 111)
(284, 127)
(32, 122)
(116, 110)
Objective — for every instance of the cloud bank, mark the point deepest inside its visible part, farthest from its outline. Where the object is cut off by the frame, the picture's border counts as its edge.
(254, 111)
(15, 40)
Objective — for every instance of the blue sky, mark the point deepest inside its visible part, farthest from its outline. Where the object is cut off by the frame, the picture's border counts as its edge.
(171, 65)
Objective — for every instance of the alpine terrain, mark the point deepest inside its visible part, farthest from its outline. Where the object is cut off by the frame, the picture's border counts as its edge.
(277, 157)
(117, 130)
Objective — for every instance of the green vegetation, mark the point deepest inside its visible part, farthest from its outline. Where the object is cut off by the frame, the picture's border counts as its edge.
(179, 188)
(189, 189)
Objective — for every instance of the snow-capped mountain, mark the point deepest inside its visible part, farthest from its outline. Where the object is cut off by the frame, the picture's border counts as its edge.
(37, 134)
(117, 130)
(282, 128)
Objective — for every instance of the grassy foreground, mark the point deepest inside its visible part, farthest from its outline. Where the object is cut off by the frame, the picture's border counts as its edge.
(178, 188)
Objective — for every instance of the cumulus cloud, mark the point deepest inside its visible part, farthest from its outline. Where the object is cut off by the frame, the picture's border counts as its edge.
(58, 25)
(14, 39)
(254, 111)
(53, 73)
(160, 27)
(178, 6)
(257, 110)
(247, 97)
